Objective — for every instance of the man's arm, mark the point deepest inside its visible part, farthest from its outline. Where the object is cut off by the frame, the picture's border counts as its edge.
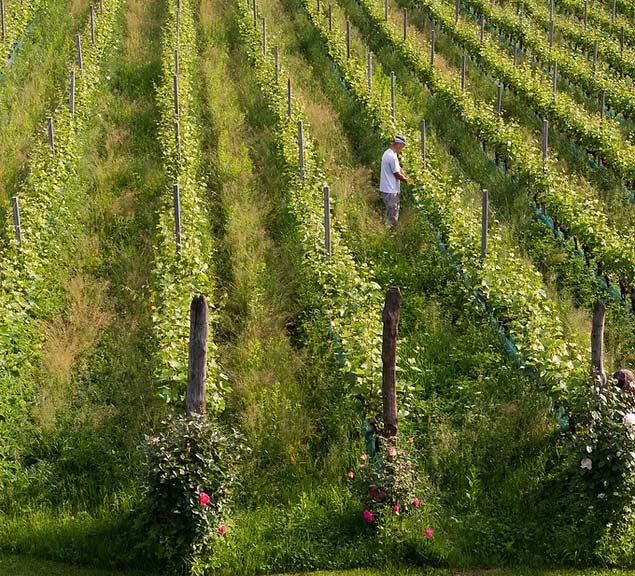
(401, 175)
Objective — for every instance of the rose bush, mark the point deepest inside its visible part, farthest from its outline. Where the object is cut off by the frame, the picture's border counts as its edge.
(191, 470)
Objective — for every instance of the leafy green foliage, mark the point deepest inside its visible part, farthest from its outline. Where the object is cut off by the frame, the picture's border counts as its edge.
(18, 15)
(190, 472)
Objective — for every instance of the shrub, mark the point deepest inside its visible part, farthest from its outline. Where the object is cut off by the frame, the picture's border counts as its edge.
(191, 467)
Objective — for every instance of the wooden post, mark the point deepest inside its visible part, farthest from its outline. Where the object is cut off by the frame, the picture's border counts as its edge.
(92, 24)
(386, 10)
(392, 96)
(622, 41)
(613, 11)
(264, 37)
(276, 63)
(390, 317)
(16, 220)
(405, 24)
(301, 149)
(178, 23)
(422, 129)
(554, 82)
(602, 106)
(318, 7)
(255, 13)
(499, 99)
(586, 14)
(177, 216)
(348, 39)
(457, 9)
(545, 141)
(432, 43)
(482, 28)
(463, 72)
(101, 6)
(288, 97)
(550, 9)
(49, 122)
(177, 66)
(78, 45)
(330, 18)
(484, 223)
(595, 55)
(71, 97)
(369, 68)
(551, 32)
(327, 220)
(175, 90)
(197, 358)
(3, 23)
(597, 344)
(515, 55)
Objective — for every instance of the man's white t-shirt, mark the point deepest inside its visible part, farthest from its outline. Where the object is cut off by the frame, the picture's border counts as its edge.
(389, 165)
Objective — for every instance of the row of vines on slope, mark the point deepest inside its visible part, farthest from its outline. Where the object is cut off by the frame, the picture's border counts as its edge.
(181, 272)
(17, 18)
(30, 279)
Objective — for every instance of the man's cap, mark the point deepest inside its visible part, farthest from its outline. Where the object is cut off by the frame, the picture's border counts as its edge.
(398, 140)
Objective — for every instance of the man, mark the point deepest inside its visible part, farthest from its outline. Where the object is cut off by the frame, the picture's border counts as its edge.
(390, 180)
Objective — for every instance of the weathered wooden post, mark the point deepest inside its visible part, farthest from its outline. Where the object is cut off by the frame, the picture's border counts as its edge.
(515, 55)
(197, 358)
(51, 133)
(586, 14)
(457, 10)
(318, 7)
(422, 129)
(386, 10)
(554, 85)
(348, 39)
(16, 220)
(369, 69)
(405, 24)
(482, 28)
(301, 149)
(551, 32)
(392, 96)
(327, 220)
(545, 141)
(177, 216)
(390, 317)
(101, 6)
(71, 96)
(499, 99)
(3, 23)
(484, 223)
(177, 66)
(289, 97)
(276, 63)
(92, 24)
(175, 90)
(595, 55)
(432, 43)
(78, 45)
(614, 11)
(264, 37)
(597, 344)
(330, 18)
(255, 13)
(463, 72)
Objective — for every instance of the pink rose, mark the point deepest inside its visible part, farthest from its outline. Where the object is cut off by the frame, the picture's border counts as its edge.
(222, 529)
(395, 508)
(392, 451)
(416, 502)
(429, 533)
(586, 463)
(153, 440)
(369, 516)
(350, 474)
(364, 457)
(204, 499)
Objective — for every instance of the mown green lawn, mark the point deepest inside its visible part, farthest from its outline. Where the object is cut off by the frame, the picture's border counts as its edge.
(22, 566)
